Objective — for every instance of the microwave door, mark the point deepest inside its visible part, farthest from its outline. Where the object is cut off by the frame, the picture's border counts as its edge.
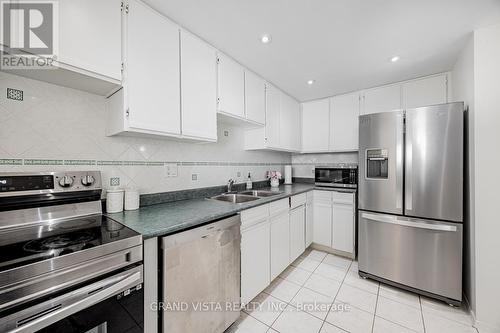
(381, 162)
(434, 162)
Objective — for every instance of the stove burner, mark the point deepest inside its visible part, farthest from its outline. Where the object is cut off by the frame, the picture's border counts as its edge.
(59, 241)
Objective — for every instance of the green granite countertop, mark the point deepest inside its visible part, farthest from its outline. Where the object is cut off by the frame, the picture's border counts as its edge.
(168, 218)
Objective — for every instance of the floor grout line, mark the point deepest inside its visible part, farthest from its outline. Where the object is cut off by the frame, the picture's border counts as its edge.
(422, 312)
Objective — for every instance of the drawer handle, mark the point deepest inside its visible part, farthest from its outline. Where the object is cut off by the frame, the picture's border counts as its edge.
(419, 225)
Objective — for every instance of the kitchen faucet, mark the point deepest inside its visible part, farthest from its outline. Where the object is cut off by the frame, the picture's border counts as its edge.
(230, 183)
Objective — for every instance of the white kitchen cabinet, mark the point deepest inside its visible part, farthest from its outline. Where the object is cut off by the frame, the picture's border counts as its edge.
(322, 225)
(198, 88)
(381, 99)
(150, 99)
(289, 123)
(273, 106)
(344, 114)
(429, 90)
(309, 219)
(297, 232)
(255, 98)
(343, 222)
(315, 125)
(280, 243)
(90, 36)
(255, 259)
(231, 86)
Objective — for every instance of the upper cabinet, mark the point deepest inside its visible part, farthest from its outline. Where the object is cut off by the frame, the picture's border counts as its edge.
(198, 88)
(430, 90)
(231, 87)
(255, 98)
(80, 23)
(344, 114)
(150, 101)
(315, 125)
(282, 124)
(381, 99)
(89, 52)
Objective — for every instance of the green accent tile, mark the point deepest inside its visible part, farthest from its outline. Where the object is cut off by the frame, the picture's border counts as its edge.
(155, 163)
(42, 162)
(11, 161)
(79, 162)
(109, 163)
(133, 163)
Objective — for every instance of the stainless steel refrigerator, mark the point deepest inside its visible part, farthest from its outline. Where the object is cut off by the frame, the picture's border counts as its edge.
(411, 199)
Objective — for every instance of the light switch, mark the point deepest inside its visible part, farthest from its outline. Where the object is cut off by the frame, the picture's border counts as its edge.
(171, 169)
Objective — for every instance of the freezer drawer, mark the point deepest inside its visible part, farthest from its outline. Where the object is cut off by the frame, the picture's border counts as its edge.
(421, 254)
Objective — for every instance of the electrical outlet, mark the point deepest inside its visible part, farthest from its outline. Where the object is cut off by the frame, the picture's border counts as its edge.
(114, 181)
(226, 133)
(238, 174)
(171, 170)
(194, 176)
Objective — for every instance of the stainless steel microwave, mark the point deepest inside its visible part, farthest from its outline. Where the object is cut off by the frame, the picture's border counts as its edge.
(341, 176)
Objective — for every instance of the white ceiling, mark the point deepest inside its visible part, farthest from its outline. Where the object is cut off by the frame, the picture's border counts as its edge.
(344, 45)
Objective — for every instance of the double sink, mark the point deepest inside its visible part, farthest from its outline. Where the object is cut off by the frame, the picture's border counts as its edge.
(245, 196)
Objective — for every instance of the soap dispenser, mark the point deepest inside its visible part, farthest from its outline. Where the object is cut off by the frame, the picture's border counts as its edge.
(249, 182)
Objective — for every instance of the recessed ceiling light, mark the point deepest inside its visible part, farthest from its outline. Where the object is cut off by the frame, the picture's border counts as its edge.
(265, 39)
(310, 82)
(395, 58)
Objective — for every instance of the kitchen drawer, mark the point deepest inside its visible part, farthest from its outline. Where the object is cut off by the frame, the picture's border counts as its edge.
(343, 197)
(323, 196)
(298, 200)
(253, 216)
(279, 206)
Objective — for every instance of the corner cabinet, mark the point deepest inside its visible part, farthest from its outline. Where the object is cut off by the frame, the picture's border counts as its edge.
(150, 101)
(231, 87)
(282, 124)
(315, 126)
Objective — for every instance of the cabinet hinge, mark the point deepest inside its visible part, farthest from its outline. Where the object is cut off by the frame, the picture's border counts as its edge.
(126, 8)
(127, 113)
(123, 67)
(218, 100)
(121, 7)
(218, 60)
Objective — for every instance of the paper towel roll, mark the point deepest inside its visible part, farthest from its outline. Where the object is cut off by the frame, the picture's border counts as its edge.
(288, 174)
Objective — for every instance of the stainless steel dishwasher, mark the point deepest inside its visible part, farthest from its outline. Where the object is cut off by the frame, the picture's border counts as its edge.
(201, 278)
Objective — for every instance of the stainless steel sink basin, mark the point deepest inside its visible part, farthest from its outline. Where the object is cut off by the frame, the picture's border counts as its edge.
(261, 193)
(235, 197)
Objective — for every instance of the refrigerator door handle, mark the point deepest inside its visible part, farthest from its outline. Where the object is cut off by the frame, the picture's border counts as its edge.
(420, 225)
(399, 163)
(409, 166)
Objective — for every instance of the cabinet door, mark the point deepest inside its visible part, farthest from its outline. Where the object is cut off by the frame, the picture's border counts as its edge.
(255, 260)
(289, 123)
(255, 98)
(381, 99)
(231, 86)
(309, 224)
(153, 92)
(315, 125)
(427, 91)
(297, 232)
(344, 114)
(343, 227)
(199, 88)
(273, 105)
(80, 22)
(322, 226)
(280, 244)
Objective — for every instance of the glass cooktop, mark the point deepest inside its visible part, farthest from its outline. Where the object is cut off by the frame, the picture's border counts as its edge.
(27, 245)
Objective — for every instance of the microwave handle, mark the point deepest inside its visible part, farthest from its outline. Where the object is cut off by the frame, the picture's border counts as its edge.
(73, 302)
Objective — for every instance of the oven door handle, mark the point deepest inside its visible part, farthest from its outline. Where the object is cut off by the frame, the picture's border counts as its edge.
(52, 311)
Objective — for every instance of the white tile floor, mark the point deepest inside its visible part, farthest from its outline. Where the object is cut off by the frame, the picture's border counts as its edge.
(323, 293)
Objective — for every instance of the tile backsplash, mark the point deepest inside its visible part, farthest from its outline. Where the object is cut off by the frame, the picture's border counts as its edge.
(303, 164)
(58, 128)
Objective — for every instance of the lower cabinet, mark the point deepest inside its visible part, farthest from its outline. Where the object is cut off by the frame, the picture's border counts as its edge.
(255, 259)
(309, 219)
(280, 243)
(334, 220)
(297, 232)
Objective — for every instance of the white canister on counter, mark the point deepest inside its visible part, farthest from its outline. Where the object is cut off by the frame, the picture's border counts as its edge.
(131, 199)
(114, 200)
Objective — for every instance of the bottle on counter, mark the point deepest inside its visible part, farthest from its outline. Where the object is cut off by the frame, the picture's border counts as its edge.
(249, 182)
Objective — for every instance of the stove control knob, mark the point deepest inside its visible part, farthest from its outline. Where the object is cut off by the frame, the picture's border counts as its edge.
(87, 180)
(66, 181)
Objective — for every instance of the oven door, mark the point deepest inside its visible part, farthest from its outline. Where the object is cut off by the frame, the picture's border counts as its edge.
(113, 304)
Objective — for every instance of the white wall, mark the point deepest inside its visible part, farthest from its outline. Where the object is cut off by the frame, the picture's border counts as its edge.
(487, 182)
(462, 89)
(57, 128)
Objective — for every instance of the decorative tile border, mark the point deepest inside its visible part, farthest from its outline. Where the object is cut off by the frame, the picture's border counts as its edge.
(354, 165)
(77, 162)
